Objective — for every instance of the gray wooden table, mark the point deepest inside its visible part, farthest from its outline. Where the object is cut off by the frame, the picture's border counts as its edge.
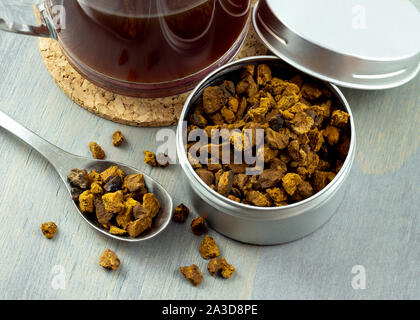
(377, 226)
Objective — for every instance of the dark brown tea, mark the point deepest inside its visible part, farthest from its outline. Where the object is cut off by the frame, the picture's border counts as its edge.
(151, 41)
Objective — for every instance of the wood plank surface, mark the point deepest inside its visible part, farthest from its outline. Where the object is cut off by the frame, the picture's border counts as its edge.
(377, 226)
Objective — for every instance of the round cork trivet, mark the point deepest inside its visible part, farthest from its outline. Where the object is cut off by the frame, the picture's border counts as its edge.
(158, 112)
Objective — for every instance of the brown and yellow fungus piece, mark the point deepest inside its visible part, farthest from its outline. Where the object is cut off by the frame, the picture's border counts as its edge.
(117, 138)
(49, 229)
(209, 248)
(109, 260)
(97, 151)
(192, 274)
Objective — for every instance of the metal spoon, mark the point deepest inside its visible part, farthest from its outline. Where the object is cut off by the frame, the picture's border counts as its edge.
(64, 161)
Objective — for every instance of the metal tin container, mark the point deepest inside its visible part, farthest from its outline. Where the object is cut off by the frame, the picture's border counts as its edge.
(256, 225)
(349, 43)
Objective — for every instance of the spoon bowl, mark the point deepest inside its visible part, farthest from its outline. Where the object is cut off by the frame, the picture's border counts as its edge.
(160, 222)
(64, 161)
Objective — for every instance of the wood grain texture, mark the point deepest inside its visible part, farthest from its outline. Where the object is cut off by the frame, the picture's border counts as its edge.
(376, 226)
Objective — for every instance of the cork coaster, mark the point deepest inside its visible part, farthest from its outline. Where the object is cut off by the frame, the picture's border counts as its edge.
(126, 110)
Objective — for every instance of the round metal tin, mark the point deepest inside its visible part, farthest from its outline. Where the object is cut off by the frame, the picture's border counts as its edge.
(362, 44)
(257, 225)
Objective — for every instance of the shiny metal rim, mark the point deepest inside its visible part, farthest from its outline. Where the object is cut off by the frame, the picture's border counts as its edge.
(375, 83)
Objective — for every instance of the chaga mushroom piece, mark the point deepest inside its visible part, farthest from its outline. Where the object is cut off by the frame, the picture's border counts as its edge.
(111, 171)
(248, 86)
(97, 151)
(109, 260)
(114, 202)
(332, 135)
(181, 213)
(75, 194)
(117, 231)
(290, 182)
(134, 182)
(197, 120)
(137, 227)
(49, 229)
(302, 123)
(248, 70)
(96, 189)
(276, 123)
(192, 274)
(95, 177)
(117, 138)
(278, 195)
(113, 184)
(151, 205)
(162, 160)
(150, 158)
(339, 118)
(233, 104)
(126, 216)
(305, 189)
(257, 114)
(209, 248)
(220, 265)
(270, 178)
(240, 180)
(268, 153)
(215, 265)
(233, 198)
(86, 201)
(214, 98)
(320, 179)
(225, 182)
(295, 152)
(198, 226)
(229, 88)
(316, 139)
(101, 214)
(276, 140)
(227, 269)
(228, 115)
(263, 74)
(206, 175)
(311, 91)
(258, 199)
(138, 210)
(156, 160)
(78, 178)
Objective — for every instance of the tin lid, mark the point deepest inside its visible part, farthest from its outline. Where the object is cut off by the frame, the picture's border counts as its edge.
(363, 44)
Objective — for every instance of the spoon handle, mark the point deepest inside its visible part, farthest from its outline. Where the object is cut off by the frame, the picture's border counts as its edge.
(56, 156)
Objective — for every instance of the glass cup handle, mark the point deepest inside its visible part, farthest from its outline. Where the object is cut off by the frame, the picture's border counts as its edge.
(27, 19)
